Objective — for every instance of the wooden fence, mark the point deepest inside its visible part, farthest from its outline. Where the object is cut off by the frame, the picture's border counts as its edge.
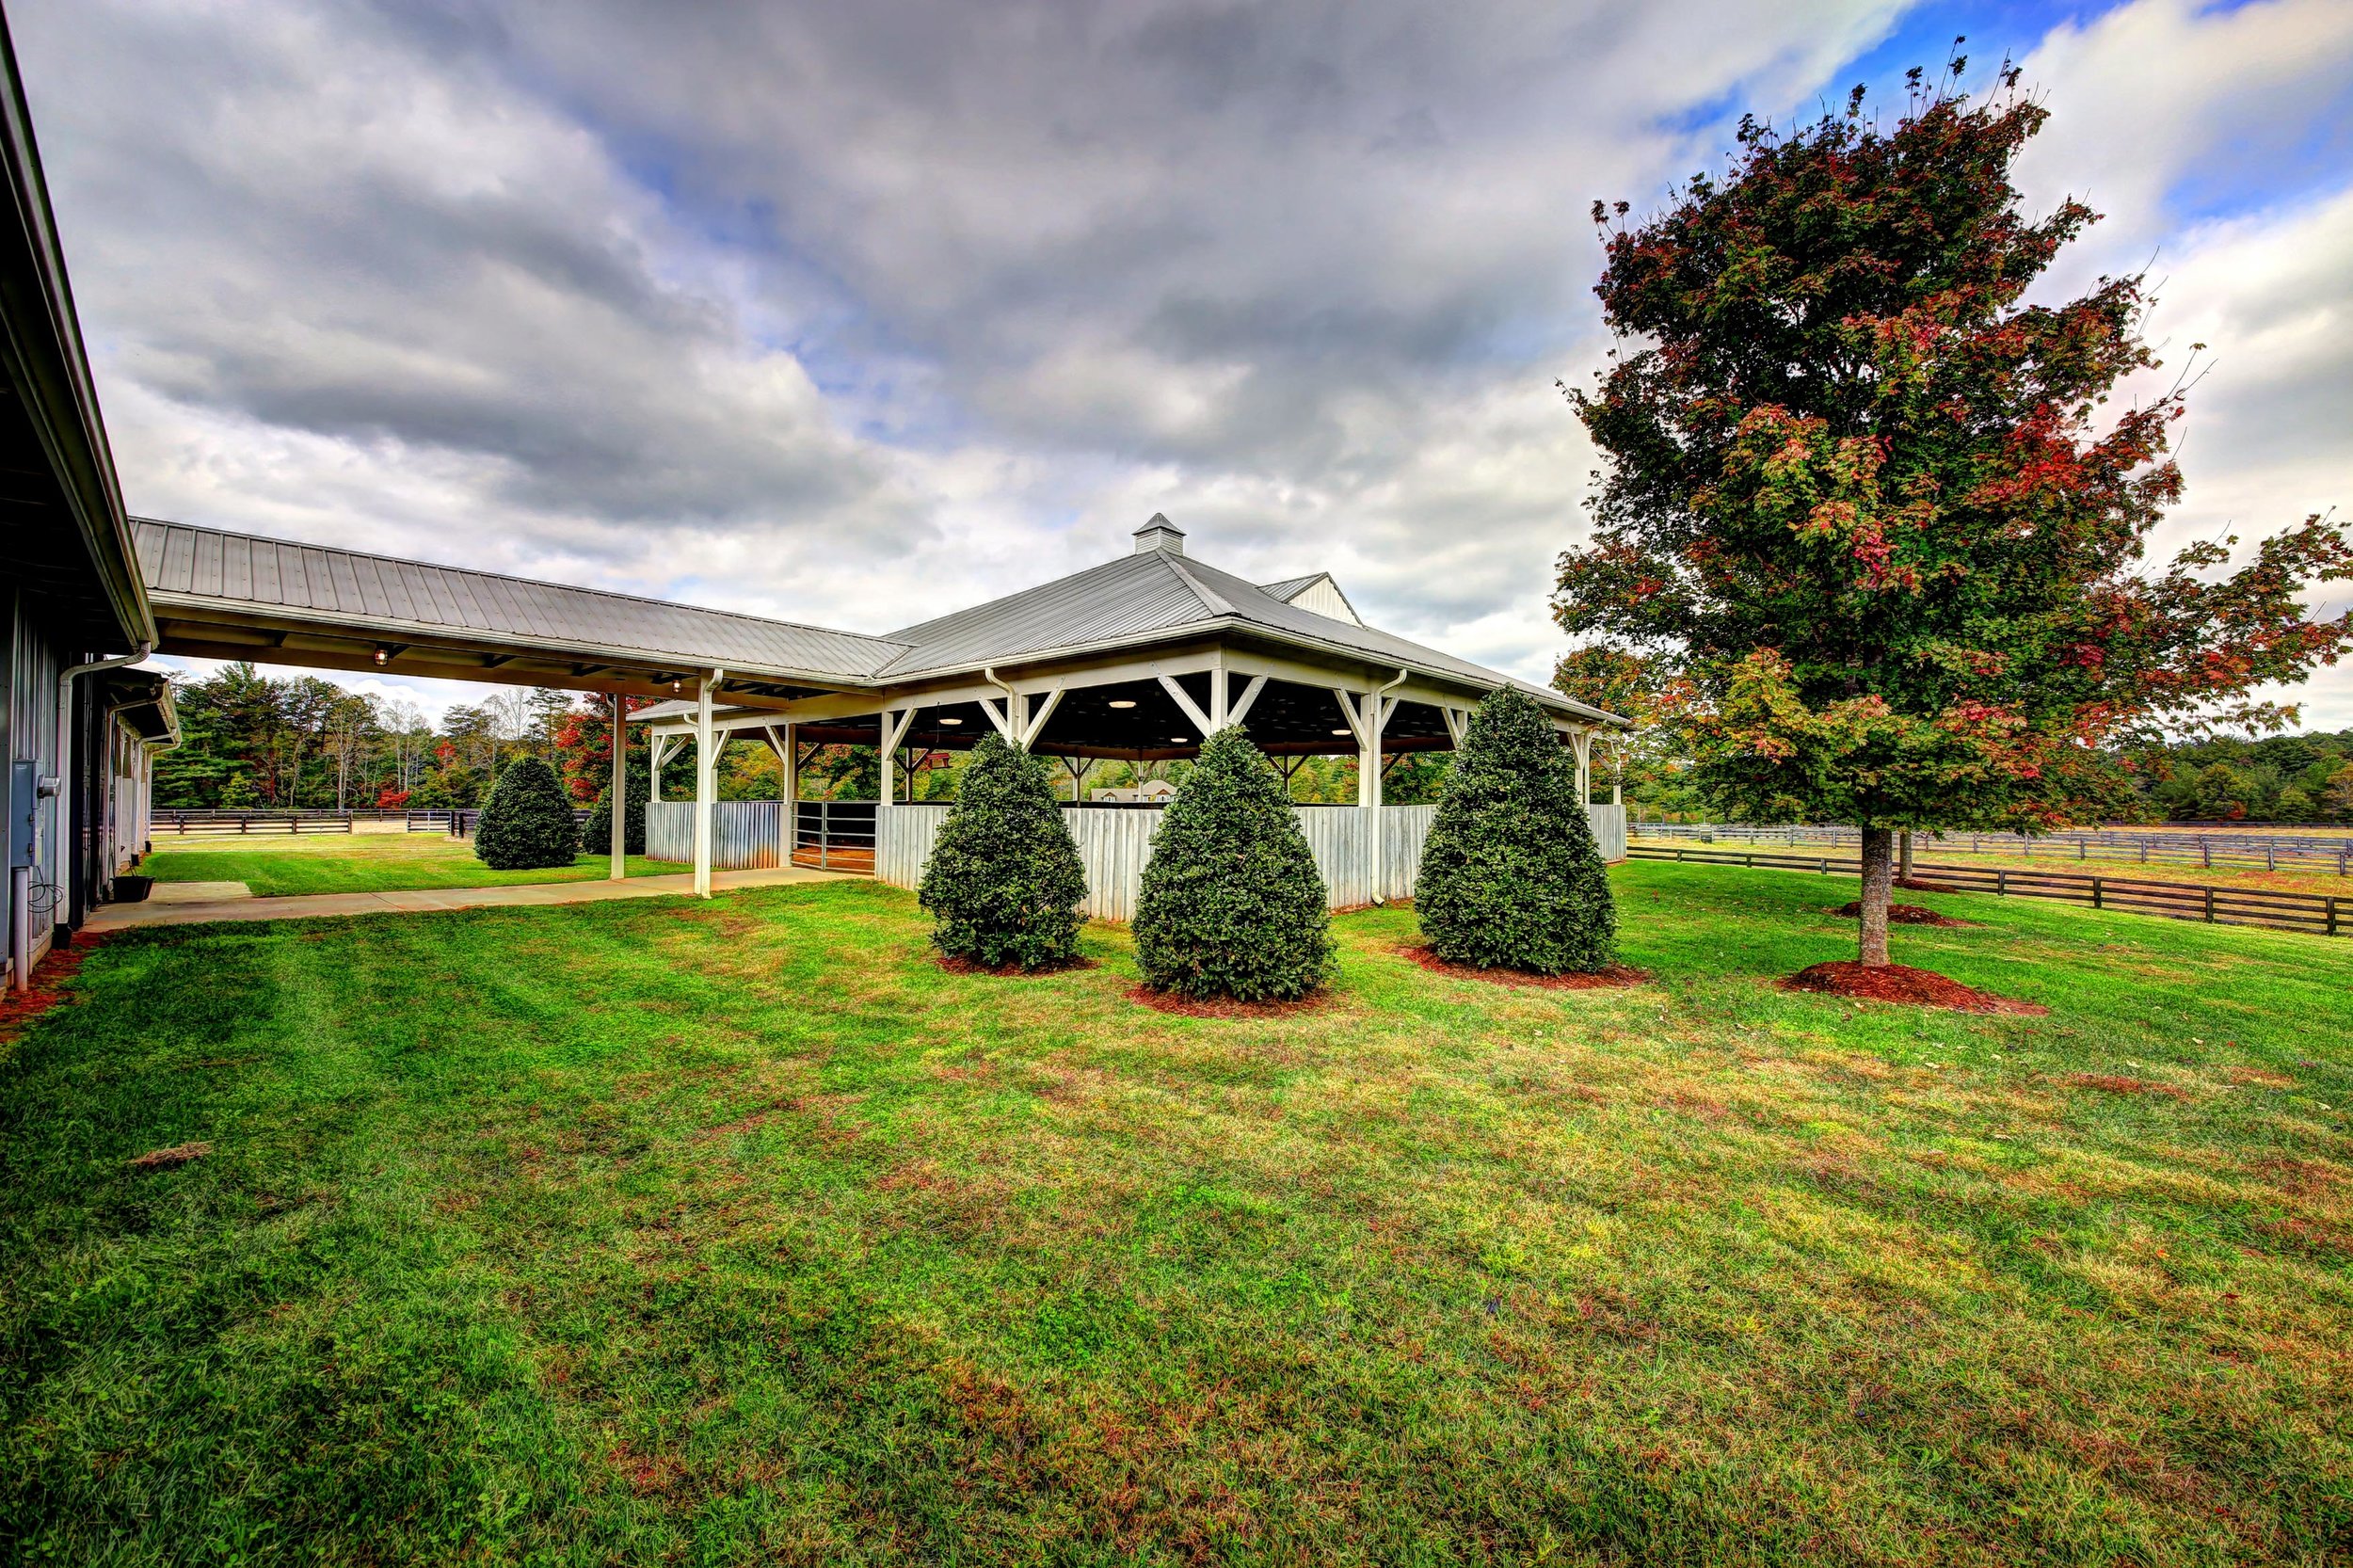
(224, 824)
(2147, 847)
(2315, 913)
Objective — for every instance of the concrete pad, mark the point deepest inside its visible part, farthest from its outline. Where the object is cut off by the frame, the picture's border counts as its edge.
(197, 893)
(243, 906)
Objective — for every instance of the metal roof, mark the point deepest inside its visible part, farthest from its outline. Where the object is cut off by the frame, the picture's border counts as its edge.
(186, 564)
(1159, 592)
(1152, 596)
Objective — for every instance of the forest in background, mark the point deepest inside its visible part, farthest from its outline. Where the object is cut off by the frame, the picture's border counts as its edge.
(257, 741)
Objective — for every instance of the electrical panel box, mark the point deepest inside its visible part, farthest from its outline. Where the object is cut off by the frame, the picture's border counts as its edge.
(24, 801)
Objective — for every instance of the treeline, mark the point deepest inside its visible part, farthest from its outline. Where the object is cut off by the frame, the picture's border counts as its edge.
(2281, 778)
(261, 742)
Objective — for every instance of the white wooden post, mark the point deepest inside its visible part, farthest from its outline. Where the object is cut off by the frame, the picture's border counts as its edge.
(706, 778)
(895, 723)
(1581, 741)
(620, 788)
(789, 812)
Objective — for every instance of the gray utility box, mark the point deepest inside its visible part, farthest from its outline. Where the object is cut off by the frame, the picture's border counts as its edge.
(24, 802)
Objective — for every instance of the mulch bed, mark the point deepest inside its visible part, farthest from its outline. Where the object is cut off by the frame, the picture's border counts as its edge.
(1900, 914)
(1011, 971)
(51, 977)
(1615, 976)
(1901, 982)
(1225, 1007)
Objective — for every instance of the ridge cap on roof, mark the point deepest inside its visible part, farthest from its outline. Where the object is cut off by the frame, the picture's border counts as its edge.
(510, 577)
(1211, 601)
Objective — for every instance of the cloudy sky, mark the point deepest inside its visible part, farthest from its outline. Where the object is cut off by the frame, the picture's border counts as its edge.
(856, 311)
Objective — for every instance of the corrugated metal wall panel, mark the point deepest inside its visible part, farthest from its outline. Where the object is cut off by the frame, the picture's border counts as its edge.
(745, 833)
(1608, 830)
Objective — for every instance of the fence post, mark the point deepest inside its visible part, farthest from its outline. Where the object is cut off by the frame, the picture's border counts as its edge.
(2271, 861)
(2095, 892)
(2333, 917)
(1825, 865)
(2205, 852)
(2001, 881)
(2210, 907)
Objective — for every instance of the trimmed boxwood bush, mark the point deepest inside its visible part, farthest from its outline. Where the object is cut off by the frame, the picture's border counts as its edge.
(1231, 904)
(1004, 881)
(529, 822)
(1511, 877)
(596, 837)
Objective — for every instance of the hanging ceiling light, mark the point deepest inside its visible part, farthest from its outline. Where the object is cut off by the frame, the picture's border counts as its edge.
(1180, 740)
(383, 655)
(1343, 733)
(1123, 702)
(951, 721)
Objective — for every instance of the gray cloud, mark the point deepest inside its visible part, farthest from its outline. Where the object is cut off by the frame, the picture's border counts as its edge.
(858, 312)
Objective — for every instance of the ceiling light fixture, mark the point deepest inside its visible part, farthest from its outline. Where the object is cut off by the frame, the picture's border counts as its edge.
(674, 688)
(951, 721)
(383, 656)
(1123, 702)
(1343, 733)
(1180, 740)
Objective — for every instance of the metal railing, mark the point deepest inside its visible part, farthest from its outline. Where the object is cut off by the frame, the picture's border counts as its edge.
(2318, 914)
(2231, 850)
(834, 833)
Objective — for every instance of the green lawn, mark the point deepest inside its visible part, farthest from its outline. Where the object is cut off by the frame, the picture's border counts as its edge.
(361, 863)
(739, 1232)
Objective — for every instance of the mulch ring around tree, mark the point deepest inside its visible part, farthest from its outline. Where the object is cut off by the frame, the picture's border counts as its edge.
(1899, 913)
(1225, 1007)
(1901, 982)
(1011, 971)
(1615, 976)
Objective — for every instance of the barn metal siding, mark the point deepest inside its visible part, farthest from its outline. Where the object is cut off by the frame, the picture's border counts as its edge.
(745, 833)
(1113, 844)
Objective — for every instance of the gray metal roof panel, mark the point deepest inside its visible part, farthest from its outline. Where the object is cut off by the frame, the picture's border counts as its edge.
(1131, 597)
(180, 561)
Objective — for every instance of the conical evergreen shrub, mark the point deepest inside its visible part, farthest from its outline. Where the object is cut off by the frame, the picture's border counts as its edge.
(528, 823)
(597, 837)
(1004, 881)
(1231, 904)
(1511, 877)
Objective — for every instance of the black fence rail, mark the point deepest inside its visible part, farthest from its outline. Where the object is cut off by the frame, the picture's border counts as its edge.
(223, 824)
(2316, 913)
(2230, 851)
(461, 824)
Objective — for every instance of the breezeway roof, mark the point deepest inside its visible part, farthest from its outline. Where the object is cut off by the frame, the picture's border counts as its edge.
(202, 579)
(186, 566)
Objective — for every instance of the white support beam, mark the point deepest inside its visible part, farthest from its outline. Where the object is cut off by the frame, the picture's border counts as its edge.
(1192, 709)
(1218, 719)
(1348, 710)
(1582, 742)
(1457, 724)
(706, 778)
(1241, 709)
(894, 729)
(621, 788)
(1038, 718)
(1000, 715)
(661, 746)
(788, 750)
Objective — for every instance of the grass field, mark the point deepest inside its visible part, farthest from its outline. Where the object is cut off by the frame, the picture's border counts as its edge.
(361, 863)
(740, 1232)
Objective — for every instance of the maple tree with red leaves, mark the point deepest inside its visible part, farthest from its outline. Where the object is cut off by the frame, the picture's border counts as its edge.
(1869, 518)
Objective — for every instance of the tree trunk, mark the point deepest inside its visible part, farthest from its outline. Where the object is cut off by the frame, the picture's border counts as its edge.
(1879, 871)
(1903, 857)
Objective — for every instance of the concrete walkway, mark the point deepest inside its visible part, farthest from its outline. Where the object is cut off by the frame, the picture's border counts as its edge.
(303, 906)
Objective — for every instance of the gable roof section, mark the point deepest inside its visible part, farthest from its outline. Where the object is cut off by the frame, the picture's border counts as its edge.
(1155, 594)
(1301, 592)
(185, 565)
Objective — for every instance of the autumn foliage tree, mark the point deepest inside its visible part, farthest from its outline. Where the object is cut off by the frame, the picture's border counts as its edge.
(1877, 515)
